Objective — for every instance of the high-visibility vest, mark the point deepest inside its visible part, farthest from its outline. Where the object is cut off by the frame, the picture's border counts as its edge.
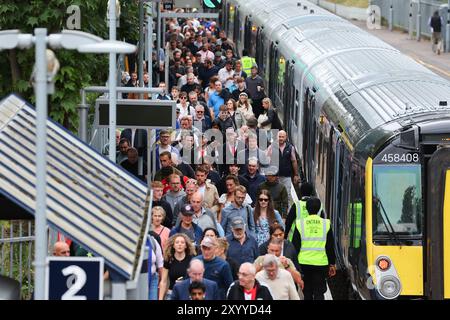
(300, 212)
(247, 64)
(357, 224)
(313, 231)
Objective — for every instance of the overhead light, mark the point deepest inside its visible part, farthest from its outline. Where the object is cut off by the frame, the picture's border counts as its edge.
(108, 46)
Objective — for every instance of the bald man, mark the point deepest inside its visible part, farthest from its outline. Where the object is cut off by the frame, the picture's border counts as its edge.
(203, 217)
(248, 287)
(61, 249)
(195, 272)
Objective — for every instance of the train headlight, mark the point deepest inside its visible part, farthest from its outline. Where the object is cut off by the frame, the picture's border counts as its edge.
(383, 263)
(389, 287)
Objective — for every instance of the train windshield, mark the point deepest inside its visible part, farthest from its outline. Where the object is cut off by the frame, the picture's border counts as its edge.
(397, 200)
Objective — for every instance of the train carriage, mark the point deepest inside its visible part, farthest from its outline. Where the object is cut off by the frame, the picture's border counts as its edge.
(372, 127)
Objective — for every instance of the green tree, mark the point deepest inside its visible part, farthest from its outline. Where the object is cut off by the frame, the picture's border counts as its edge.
(77, 70)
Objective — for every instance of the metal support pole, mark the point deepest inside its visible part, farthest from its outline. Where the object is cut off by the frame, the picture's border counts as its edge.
(41, 162)
(150, 50)
(164, 34)
(447, 30)
(418, 20)
(112, 86)
(391, 16)
(141, 46)
(410, 24)
(82, 117)
(118, 291)
(150, 152)
(166, 65)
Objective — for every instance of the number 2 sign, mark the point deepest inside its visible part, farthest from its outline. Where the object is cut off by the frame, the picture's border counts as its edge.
(74, 278)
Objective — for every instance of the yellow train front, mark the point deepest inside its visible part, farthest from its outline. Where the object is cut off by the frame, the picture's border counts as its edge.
(396, 241)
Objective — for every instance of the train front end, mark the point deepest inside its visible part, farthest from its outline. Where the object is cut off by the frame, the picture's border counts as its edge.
(407, 205)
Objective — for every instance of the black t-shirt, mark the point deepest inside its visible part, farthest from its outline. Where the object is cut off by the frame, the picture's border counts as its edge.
(177, 269)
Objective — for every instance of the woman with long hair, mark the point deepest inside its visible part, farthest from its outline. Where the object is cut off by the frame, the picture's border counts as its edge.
(158, 216)
(235, 115)
(266, 118)
(178, 253)
(245, 108)
(265, 216)
(231, 182)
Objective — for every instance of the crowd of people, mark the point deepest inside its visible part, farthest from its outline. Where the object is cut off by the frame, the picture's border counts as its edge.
(222, 186)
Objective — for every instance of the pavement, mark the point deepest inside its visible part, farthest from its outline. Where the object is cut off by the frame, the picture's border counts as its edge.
(420, 51)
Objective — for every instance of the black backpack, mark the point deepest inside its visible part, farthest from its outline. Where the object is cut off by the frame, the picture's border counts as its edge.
(276, 123)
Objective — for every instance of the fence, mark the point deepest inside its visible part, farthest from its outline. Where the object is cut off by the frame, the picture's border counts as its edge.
(17, 253)
(403, 8)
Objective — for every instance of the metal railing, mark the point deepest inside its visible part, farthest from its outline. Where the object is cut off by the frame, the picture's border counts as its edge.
(420, 12)
(17, 253)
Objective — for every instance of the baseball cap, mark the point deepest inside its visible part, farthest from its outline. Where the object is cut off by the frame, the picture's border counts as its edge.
(208, 242)
(237, 223)
(218, 54)
(187, 210)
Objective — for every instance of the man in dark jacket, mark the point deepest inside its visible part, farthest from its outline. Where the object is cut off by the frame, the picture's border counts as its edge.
(195, 272)
(247, 287)
(277, 190)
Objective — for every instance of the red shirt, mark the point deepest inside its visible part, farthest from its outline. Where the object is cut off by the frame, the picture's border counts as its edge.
(251, 293)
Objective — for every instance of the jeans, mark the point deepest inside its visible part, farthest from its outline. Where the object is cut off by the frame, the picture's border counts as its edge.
(153, 289)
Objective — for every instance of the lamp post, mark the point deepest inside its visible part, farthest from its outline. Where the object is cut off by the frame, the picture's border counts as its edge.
(67, 39)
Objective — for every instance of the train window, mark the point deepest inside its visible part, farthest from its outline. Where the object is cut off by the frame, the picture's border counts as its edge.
(397, 200)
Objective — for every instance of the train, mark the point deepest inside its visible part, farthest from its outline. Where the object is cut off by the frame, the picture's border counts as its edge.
(372, 128)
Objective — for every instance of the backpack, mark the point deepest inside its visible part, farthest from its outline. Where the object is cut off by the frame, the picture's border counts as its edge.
(276, 123)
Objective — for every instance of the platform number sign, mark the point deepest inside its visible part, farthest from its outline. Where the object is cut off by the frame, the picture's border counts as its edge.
(212, 4)
(74, 278)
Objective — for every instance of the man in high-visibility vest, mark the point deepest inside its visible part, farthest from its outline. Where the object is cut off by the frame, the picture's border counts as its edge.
(316, 257)
(247, 62)
(298, 211)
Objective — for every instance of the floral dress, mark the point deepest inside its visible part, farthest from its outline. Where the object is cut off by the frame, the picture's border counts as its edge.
(262, 231)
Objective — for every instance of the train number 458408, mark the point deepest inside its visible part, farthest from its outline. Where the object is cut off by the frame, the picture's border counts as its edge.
(400, 157)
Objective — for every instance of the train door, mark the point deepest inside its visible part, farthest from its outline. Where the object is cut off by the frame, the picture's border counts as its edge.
(248, 35)
(259, 55)
(437, 257)
(309, 133)
(236, 28)
(289, 98)
(339, 212)
(272, 69)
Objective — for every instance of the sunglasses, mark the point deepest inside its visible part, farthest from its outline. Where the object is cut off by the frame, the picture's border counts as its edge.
(264, 199)
(183, 98)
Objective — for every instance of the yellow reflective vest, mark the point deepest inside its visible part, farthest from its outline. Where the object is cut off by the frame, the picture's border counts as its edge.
(247, 64)
(313, 231)
(300, 212)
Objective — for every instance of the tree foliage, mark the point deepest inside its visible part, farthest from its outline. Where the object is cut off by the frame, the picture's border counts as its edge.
(77, 70)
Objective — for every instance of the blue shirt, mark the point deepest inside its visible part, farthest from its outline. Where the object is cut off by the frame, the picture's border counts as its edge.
(246, 252)
(215, 101)
(231, 211)
(219, 271)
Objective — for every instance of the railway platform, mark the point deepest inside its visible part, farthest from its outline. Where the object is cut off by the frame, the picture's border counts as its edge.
(420, 51)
